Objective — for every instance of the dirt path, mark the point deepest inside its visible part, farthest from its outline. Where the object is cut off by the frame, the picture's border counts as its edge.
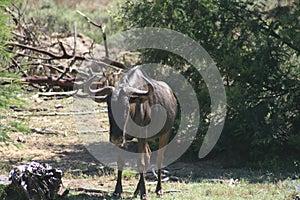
(56, 138)
(53, 138)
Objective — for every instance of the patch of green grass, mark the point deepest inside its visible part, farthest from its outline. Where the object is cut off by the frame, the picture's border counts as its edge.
(15, 126)
(12, 126)
(2, 188)
(9, 95)
(4, 138)
(5, 167)
(127, 174)
(247, 185)
(212, 191)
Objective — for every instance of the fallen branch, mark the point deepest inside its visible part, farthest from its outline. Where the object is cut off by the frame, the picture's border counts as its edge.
(18, 109)
(94, 132)
(66, 84)
(65, 55)
(61, 113)
(16, 18)
(52, 56)
(113, 63)
(90, 190)
(94, 190)
(44, 131)
(171, 191)
(56, 63)
(52, 66)
(73, 59)
(58, 94)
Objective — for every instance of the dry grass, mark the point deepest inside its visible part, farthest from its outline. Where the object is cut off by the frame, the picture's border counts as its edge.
(72, 4)
(59, 16)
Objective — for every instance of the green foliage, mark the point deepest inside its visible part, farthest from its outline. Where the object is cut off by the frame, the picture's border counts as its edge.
(126, 174)
(9, 91)
(15, 126)
(4, 30)
(2, 190)
(257, 52)
(3, 56)
(4, 138)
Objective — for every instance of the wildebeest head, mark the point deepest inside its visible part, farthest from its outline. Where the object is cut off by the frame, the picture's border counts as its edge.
(118, 101)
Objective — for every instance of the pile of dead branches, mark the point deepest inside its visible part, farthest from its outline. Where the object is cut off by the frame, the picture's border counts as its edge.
(57, 62)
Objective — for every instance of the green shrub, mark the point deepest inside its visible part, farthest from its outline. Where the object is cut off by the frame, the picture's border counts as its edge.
(9, 91)
(257, 52)
(2, 191)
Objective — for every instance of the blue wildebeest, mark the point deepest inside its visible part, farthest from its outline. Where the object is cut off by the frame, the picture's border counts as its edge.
(133, 98)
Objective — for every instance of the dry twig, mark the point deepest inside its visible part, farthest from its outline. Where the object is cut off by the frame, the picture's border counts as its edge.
(102, 27)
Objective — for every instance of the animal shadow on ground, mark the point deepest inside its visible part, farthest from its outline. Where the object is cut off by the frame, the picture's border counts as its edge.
(84, 196)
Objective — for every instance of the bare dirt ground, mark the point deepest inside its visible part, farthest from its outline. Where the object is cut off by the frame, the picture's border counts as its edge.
(55, 137)
(55, 132)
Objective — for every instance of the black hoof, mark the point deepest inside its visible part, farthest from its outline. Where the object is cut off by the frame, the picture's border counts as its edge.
(159, 193)
(144, 197)
(117, 194)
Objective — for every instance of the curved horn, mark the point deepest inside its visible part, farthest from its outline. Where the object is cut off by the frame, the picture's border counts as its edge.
(100, 95)
(101, 91)
(135, 93)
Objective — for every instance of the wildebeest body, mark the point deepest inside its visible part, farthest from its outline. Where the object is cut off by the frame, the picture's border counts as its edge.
(130, 116)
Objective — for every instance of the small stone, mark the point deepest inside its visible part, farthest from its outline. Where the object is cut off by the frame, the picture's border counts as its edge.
(21, 140)
(57, 106)
(4, 180)
(38, 100)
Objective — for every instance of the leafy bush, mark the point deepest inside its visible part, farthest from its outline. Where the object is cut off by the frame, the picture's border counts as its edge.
(257, 52)
(8, 92)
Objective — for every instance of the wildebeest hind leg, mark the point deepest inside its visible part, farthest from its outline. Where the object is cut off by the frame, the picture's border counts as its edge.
(143, 161)
(118, 188)
(163, 141)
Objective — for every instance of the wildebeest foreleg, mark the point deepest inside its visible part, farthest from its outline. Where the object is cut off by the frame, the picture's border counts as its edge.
(163, 141)
(143, 163)
(118, 188)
